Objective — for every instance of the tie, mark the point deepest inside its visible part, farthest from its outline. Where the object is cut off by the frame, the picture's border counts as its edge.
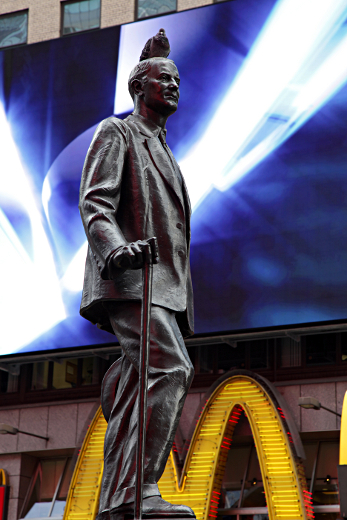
(162, 138)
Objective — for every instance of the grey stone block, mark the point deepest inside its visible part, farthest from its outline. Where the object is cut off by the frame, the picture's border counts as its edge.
(319, 420)
(62, 426)
(32, 420)
(13, 509)
(291, 394)
(341, 388)
(191, 404)
(11, 463)
(8, 443)
(85, 413)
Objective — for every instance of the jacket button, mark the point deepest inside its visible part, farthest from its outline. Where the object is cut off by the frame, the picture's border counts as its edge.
(179, 225)
(181, 253)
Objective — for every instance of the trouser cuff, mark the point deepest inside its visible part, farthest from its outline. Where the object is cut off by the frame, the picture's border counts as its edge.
(127, 495)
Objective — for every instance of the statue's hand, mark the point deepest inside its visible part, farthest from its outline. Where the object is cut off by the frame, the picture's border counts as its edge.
(132, 256)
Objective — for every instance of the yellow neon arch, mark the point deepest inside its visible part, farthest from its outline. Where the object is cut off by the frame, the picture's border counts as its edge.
(283, 476)
(83, 497)
(343, 433)
(199, 486)
(3, 480)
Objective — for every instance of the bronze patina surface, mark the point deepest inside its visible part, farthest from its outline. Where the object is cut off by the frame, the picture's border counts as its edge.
(132, 189)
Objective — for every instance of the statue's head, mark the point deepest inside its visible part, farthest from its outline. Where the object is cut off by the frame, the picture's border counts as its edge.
(154, 81)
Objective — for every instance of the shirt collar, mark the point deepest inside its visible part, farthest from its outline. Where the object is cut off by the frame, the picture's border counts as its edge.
(146, 126)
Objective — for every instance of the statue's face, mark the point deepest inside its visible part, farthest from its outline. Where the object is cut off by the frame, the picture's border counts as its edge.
(160, 89)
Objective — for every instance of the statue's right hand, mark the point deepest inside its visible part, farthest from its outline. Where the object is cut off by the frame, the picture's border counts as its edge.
(130, 256)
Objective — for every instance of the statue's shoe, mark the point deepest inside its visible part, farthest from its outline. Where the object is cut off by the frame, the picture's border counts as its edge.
(104, 515)
(153, 507)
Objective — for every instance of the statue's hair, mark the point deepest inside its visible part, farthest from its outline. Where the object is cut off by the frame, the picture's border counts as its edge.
(140, 72)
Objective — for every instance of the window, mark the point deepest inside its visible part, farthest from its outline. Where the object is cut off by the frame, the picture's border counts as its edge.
(321, 473)
(8, 383)
(321, 349)
(343, 354)
(80, 16)
(325, 490)
(242, 464)
(61, 374)
(230, 358)
(65, 374)
(90, 371)
(206, 356)
(146, 8)
(48, 488)
(39, 380)
(13, 29)
(258, 354)
(290, 353)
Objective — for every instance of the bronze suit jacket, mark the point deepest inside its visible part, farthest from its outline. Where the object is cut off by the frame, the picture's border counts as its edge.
(132, 189)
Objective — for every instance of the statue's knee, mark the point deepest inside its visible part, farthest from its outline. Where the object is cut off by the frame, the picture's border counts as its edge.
(186, 373)
(191, 373)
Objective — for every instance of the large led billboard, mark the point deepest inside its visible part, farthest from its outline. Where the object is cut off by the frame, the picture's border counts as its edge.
(260, 134)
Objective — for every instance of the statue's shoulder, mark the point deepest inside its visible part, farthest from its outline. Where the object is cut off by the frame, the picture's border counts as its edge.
(113, 124)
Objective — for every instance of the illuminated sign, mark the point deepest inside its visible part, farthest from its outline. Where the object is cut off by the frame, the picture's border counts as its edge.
(342, 467)
(259, 135)
(4, 495)
(276, 439)
(343, 433)
(83, 498)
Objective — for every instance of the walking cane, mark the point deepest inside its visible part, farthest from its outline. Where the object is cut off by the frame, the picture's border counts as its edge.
(150, 257)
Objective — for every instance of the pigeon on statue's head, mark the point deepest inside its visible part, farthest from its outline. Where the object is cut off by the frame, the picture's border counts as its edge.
(156, 47)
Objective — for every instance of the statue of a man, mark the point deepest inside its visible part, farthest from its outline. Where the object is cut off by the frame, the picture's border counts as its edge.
(131, 190)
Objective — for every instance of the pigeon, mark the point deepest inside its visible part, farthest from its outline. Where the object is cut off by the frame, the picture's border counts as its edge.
(156, 47)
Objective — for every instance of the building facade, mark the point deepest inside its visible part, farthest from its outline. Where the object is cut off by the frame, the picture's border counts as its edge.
(58, 398)
(45, 17)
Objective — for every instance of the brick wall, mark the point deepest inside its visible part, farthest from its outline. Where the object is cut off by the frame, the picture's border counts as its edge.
(117, 12)
(189, 4)
(44, 15)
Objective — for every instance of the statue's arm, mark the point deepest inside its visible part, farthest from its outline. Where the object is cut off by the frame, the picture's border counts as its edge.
(100, 191)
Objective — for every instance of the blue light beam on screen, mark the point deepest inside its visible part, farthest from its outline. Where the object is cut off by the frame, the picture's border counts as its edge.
(299, 40)
(37, 306)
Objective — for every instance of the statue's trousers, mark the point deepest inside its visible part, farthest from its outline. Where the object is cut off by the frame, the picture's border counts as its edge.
(170, 374)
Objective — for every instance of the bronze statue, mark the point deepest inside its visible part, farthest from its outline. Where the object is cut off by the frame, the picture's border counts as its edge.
(131, 190)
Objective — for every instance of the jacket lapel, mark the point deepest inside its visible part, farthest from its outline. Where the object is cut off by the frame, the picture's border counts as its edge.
(163, 164)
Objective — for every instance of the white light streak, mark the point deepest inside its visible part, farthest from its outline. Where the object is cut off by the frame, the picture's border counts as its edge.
(294, 32)
(46, 195)
(74, 274)
(325, 81)
(31, 301)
